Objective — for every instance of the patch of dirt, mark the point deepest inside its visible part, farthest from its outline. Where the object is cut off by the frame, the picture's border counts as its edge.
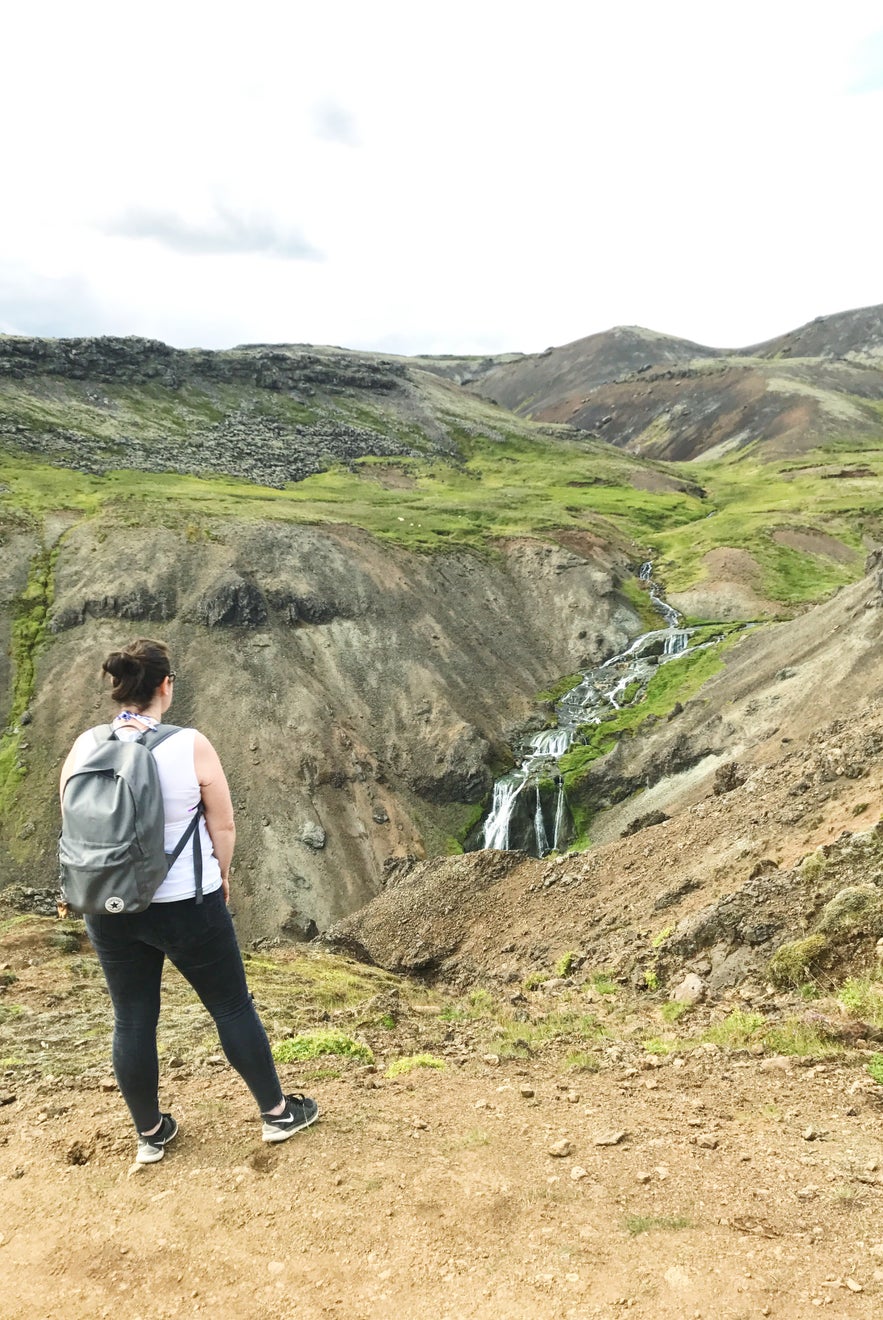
(816, 543)
(730, 589)
(702, 1182)
(392, 478)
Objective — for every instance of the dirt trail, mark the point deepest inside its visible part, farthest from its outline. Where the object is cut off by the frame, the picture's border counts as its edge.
(742, 1186)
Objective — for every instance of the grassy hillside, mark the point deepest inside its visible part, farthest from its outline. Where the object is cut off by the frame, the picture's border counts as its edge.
(413, 459)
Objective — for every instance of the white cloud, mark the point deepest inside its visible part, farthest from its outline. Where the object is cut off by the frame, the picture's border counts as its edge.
(475, 177)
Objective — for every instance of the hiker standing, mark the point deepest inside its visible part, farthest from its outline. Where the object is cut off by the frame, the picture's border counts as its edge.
(185, 918)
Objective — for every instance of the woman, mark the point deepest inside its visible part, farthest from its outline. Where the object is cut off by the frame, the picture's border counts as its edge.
(197, 937)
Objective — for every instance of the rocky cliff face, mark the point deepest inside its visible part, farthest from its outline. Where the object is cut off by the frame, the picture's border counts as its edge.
(359, 696)
(269, 414)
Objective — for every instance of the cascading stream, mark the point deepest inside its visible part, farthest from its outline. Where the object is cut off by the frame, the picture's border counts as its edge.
(600, 690)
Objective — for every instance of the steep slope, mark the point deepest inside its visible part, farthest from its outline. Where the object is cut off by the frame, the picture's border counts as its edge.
(745, 821)
(670, 399)
(358, 694)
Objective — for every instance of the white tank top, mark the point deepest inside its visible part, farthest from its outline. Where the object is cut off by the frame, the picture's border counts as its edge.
(180, 796)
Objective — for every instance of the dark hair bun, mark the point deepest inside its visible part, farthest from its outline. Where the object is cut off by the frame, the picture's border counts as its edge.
(137, 671)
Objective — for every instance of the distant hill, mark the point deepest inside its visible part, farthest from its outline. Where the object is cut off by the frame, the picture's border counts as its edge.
(665, 398)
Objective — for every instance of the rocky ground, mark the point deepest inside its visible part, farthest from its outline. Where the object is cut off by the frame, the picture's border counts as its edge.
(550, 1163)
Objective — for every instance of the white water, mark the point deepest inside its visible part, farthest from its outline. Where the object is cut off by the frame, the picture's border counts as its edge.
(599, 691)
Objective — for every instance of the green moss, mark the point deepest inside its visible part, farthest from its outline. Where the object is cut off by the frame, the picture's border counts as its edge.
(316, 1044)
(791, 963)
(561, 688)
(673, 1011)
(30, 616)
(400, 1067)
(853, 907)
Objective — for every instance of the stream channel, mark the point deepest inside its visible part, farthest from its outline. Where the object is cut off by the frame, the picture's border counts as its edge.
(518, 817)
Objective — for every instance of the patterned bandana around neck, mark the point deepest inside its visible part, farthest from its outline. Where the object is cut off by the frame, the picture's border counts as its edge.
(125, 716)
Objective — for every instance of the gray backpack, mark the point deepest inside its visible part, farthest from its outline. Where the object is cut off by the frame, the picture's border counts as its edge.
(111, 850)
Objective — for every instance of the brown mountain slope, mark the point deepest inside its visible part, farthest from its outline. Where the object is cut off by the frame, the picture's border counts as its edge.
(671, 399)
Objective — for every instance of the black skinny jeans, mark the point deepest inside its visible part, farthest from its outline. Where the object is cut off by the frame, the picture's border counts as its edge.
(198, 938)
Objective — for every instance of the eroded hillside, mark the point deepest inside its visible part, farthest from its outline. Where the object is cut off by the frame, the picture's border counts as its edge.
(359, 695)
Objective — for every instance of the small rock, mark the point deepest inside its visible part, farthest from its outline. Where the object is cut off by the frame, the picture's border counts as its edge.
(810, 1134)
(876, 1249)
(108, 1084)
(492, 1060)
(610, 1138)
(312, 835)
(778, 1063)
(527, 1091)
(707, 1140)
(690, 990)
(561, 1149)
(853, 1286)
(79, 1152)
(577, 1172)
(7, 1098)
(573, 1097)
(643, 1177)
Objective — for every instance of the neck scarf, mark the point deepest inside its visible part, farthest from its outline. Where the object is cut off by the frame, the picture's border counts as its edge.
(126, 716)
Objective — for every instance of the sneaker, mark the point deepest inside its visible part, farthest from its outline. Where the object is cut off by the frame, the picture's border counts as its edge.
(299, 1113)
(152, 1148)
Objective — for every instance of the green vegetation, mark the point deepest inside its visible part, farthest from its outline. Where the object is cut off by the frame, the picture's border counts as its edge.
(760, 506)
(561, 688)
(318, 983)
(565, 963)
(863, 998)
(582, 1061)
(677, 680)
(316, 1044)
(401, 1067)
(29, 631)
(636, 1224)
(791, 963)
(875, 1068)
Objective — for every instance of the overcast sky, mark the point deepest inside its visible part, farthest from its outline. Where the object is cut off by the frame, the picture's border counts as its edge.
(456, 177)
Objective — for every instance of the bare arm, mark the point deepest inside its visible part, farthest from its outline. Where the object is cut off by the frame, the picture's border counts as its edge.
(66, 771)
(218, 805)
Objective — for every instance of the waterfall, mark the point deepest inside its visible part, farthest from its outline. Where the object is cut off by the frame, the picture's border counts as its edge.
(597, 694)
(539, 826)
(496, 827)
(558, 832)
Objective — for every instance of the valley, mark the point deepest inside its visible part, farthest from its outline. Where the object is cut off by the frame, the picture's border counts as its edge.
(640, 1074)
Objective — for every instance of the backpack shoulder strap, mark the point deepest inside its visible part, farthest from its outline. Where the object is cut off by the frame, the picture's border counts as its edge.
(153, 737)
(103, 733)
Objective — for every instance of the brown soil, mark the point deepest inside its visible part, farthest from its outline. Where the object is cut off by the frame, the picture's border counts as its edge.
(816, 543)
(740, 1186)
